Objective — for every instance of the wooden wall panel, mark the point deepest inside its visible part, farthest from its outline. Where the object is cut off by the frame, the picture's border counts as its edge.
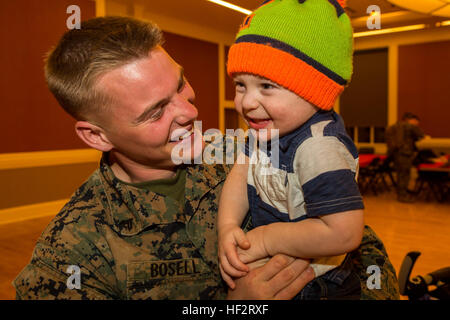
(31, 118)
(42, 184)
(364, 102)
(230, 88)
(424, 82)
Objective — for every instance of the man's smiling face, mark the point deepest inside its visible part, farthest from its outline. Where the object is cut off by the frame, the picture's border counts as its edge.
(151, 99)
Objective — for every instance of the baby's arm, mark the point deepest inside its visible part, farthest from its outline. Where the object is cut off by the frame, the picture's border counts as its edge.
(233, 206)
(326, 167)
(327, 235)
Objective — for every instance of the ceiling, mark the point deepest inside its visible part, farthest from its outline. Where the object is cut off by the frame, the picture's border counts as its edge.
(434, 7)
(206, 13)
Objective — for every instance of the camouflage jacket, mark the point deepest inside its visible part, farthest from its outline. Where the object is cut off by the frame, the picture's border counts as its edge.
(401, 138)
(130, 243)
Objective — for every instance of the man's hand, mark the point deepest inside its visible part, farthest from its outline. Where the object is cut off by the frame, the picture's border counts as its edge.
(279, 279)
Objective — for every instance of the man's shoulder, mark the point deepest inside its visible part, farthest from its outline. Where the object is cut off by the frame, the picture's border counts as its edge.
(81, 214)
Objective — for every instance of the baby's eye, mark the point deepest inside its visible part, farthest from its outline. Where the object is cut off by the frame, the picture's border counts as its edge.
(267, 86)
(239, 86)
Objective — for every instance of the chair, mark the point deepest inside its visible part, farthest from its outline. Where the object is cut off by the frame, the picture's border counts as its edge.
(373, 176)
(386, 168)
(368, 176)
(434, 184)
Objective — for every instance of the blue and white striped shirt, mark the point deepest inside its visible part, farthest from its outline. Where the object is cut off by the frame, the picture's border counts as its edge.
(316, 174)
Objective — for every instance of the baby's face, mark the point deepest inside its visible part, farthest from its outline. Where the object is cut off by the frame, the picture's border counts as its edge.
(266, 105)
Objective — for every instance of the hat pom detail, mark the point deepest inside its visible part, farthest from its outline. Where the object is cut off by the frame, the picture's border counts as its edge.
(343, 3)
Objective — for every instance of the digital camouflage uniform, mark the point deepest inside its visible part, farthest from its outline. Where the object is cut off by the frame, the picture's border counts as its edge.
(132, 243)
(400, 139)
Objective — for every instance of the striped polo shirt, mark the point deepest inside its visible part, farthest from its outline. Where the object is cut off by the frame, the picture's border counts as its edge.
(316, 174)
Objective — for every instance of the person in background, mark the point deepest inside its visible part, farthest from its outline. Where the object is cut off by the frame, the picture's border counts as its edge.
(401, 143)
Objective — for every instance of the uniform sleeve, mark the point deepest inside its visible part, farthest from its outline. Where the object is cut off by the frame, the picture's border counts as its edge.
(46, 277)
(417, 133)
(370, 253)
(327, 174)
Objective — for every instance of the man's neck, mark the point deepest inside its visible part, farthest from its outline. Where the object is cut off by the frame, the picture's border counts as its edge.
(132, 172)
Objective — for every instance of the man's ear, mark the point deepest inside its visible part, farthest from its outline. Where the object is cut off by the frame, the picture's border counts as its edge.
(93, 136)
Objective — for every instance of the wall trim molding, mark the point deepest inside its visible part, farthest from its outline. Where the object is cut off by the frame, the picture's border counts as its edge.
(22, 160)
(33, 211)
(403, 38)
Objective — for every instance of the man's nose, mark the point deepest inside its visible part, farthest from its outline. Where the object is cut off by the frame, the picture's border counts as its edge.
(186, 111)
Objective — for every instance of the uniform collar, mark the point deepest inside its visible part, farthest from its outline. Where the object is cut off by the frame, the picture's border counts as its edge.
(132, 209)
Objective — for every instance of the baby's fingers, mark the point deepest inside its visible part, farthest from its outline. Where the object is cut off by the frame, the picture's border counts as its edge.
(235, 262)
(229, 269)
(241, 240)
(226, 277)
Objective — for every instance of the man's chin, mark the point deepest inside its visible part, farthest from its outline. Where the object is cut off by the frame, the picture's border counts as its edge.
(188, 151)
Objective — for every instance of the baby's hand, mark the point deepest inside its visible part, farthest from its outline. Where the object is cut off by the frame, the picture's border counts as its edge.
(230, 238)
(258, 250)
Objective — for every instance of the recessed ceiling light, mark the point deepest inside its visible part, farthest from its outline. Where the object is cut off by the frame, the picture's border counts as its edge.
(231, 6)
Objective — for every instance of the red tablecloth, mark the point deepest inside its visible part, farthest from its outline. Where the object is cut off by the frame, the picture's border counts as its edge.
(435, 165)
(366, 159)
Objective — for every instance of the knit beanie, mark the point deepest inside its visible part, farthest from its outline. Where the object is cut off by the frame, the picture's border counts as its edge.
(305, 46)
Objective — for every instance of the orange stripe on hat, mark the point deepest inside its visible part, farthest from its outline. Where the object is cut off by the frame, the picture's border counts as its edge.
(286, 70)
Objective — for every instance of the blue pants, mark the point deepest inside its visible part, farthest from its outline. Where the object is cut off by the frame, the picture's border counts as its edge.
(341, 283)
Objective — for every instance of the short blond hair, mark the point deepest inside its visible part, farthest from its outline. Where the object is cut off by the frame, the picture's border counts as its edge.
(82, 55)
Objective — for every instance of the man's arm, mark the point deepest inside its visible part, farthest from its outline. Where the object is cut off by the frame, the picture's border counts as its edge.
(371, 253)
(46, 277)
(417, 133)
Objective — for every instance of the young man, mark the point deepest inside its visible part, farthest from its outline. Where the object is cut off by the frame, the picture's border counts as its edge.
(141, 227)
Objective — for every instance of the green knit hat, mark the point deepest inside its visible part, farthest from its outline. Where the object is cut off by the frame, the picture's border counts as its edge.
(305, 46)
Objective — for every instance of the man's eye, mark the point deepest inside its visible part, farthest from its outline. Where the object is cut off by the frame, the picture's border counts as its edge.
(182, 85)
(157, 114)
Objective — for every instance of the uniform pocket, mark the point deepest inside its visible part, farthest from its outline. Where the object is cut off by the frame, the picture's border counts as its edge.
(171, 279)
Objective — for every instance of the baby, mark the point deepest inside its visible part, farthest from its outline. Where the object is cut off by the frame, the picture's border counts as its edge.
(290, 61)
